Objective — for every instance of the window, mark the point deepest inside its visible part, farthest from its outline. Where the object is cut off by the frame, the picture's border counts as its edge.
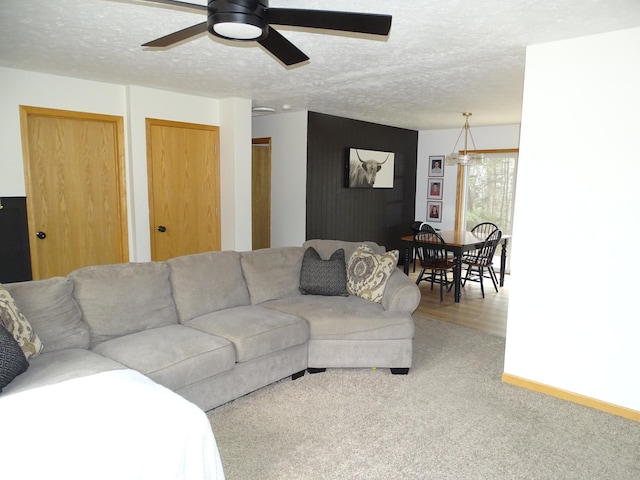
(490, 190)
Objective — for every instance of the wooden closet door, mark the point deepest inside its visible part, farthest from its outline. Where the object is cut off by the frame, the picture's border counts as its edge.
(260, 193)
(184, 188)
(74, 170)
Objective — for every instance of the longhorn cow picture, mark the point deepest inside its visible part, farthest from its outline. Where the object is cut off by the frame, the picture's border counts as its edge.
(369, 169)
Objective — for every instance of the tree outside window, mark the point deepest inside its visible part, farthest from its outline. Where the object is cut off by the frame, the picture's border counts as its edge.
(491, 191)
(490, 186)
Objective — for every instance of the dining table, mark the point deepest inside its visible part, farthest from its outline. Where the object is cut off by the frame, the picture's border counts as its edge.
(458, 243)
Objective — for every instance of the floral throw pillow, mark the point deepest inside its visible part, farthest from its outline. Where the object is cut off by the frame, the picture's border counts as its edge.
(18, 326)
(368, 272)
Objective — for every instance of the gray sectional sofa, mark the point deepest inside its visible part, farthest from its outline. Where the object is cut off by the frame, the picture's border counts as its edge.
(212, 326)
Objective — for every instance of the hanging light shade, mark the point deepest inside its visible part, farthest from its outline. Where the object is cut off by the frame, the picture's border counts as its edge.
(464, 157)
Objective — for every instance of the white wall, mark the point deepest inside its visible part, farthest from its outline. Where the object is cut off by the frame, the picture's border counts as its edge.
(573, 310)
(235, 173)
(146, 103)
(48, 91)
(134, 104)
(288, 132)
(441, 142)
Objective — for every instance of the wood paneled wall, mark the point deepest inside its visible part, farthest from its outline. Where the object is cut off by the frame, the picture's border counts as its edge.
(379, 214)
(15, 257)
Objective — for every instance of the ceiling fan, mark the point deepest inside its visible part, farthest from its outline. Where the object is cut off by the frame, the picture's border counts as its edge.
(251, 20)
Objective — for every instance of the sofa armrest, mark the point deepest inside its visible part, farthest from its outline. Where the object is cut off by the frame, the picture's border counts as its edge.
(401, 293)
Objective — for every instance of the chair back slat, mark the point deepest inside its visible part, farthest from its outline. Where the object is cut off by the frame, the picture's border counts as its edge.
(426, 228)
(434, 249)
(482, 230)
(484, 255)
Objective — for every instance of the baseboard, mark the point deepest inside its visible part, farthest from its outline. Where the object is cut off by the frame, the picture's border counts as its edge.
(572, 397)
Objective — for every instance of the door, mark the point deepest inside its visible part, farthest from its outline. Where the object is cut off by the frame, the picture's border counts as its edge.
(74, 172)
(261, 193)
(183, 163)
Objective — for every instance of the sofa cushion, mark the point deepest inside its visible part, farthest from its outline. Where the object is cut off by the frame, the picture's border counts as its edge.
(272, 272)
(346, 318)
(12, 359)
(17, 325)
(206, 282)
(124, 298)
(52, 312)
(61, 365)
(323, 277)
(368, 272)
(254, 331)
(174, 356)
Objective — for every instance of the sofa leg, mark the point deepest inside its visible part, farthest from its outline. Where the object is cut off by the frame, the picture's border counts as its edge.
(297, 375)
(316, 370)
(400, 371)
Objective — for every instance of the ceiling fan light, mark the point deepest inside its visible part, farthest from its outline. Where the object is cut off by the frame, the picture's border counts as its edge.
(237, 20)
(237, 31)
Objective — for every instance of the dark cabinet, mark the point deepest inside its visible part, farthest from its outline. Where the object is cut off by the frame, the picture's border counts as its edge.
(15, 259)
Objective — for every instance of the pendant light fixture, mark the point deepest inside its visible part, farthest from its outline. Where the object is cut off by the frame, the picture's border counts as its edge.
(465, 157)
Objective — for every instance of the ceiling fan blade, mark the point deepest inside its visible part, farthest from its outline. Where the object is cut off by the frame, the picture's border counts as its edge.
(176, 3)
(176, 37)
(331, 20)
(282, 48)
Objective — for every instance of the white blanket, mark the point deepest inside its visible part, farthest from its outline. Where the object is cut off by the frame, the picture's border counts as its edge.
(116, 425)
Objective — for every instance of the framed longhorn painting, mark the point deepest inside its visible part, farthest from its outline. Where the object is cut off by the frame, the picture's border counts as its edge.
(369, 169)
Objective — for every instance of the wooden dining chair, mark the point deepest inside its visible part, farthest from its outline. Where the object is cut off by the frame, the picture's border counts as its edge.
(419, 227)
(434, 260)
(482, 230)
(480, 262)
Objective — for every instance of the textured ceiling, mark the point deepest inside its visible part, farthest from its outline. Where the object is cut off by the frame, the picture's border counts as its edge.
(441, 57)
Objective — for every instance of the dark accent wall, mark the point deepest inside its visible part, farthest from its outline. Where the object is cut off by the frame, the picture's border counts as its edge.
(382, 215)
(15, 258)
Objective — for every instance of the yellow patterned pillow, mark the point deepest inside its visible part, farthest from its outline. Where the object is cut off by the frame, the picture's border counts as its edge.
(18, 326)
(367, 272)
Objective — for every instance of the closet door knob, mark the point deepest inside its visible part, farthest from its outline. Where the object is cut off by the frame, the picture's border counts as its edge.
(162, 229)
(41, 235)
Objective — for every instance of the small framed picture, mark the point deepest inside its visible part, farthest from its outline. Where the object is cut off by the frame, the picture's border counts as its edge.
(434, 189)
(434, 211)
(436, 166)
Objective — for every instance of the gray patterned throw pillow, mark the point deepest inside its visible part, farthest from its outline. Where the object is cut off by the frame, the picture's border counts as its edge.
(323, 277)
(12, 359)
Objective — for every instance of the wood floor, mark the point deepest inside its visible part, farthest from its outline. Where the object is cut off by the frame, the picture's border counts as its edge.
(487, 314)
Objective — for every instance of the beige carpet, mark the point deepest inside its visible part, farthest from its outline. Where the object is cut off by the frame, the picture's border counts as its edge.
(450, 418)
